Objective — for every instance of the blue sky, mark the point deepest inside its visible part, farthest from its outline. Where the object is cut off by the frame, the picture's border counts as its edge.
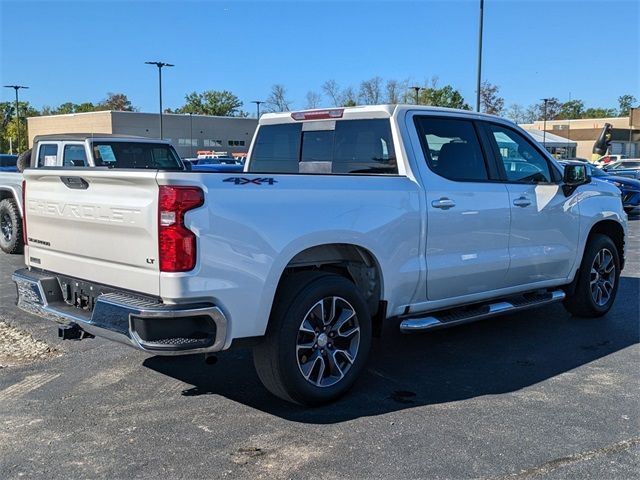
(78, 51)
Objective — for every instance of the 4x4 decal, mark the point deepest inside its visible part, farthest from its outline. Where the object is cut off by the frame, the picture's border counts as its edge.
(253, 181)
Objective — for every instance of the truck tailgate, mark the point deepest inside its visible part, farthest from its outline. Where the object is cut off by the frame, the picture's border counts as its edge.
(96, 225)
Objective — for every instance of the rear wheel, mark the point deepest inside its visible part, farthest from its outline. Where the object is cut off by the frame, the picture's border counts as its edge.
(598, 279)
(318, 339)
(10, 227)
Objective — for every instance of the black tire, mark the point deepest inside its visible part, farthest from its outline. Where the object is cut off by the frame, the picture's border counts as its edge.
(581, 302)
(24, 160)
(277, 359)
(10, 227)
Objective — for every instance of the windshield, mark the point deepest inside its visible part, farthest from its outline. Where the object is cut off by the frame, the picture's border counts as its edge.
(153, 156)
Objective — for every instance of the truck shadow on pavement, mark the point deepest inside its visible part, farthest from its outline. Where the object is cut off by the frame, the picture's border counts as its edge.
(496, 356)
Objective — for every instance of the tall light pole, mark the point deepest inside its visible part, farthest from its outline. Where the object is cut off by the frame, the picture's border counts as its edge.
(191, 133)
(160, 65)
(417, 90)
(544, 125)
(479, 79)
(16, 88)
(257, 102)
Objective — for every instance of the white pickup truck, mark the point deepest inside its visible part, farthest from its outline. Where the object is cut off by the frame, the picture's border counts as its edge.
(342, 219)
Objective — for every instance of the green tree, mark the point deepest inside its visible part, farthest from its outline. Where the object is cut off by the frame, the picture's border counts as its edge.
(490, 100)
(446, 96)
(571, 109)
(116, 101)
(212, 102)
(625, 102)
(599, 112)
(9, 125)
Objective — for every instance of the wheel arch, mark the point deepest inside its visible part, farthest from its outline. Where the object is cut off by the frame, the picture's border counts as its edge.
(12, 194)
(613, 230)
(352, 261)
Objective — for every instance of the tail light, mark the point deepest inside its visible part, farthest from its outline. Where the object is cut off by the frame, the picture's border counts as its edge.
(177, 244)
(24, 212)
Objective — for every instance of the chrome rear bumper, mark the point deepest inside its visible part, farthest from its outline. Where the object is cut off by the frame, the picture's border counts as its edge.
(150, 326)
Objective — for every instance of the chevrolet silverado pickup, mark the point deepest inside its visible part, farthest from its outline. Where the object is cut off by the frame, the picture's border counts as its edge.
(68, 150)
(341, 220)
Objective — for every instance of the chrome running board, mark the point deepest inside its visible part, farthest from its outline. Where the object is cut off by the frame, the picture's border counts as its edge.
(458, 316)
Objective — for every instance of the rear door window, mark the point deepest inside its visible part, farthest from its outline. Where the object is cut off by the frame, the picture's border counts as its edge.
(339, 147)
(74, 156)
(452, 149)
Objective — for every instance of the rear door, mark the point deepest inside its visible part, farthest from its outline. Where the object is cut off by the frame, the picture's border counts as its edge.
(467, 209)
(544, 222)
(94, 224)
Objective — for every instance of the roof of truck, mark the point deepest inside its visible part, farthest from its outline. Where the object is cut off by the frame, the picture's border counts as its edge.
(361, 112)
(81, 137)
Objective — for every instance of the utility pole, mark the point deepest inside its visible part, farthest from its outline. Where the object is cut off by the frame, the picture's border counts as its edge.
(16, 88)
(160, 65)
(191, 133)
(544, 127)
(479, 79)
(257, 102)
(417, 90)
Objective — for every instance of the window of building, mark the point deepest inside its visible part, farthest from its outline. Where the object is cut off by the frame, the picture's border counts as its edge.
(188, 142)
(451, 148)
(212, 143)
(236, 143)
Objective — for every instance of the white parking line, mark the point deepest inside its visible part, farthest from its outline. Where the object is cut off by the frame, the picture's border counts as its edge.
(27, 385)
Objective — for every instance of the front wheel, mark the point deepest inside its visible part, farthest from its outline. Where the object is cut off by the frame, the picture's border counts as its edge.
(598, 279)
(318, 339)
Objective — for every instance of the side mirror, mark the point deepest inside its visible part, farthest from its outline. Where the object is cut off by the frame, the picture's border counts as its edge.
(188, 166)
(574, 176)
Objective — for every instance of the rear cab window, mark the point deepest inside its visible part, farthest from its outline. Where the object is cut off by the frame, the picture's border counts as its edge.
(144, 155)
(325, 147)
(74, 155)
(48, 155)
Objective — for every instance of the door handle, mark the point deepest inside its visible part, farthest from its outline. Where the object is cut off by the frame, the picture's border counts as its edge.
(443, 203)
(522, 202)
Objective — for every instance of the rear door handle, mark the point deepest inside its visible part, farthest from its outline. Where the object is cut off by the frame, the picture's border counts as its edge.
(522, 202)
(443, 203)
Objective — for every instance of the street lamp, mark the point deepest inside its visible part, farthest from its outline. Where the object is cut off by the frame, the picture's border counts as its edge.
(417, 90)
(544, 125)
(16, 88)
(191, 133)
(478, 80)
(160, 65)
(257, 102)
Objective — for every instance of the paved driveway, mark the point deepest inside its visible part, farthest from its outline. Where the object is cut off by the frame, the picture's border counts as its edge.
(533, 395)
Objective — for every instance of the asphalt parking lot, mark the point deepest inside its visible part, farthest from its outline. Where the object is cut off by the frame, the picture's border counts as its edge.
(532, 395)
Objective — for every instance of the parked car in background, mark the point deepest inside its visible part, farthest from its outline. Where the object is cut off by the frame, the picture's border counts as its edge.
(607, 159)
(629, 187)
(625, 168)
(217, 164)
(8, 162)
(74, 151)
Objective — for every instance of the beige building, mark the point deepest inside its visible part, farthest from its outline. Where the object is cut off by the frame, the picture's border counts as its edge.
(625, 138)
(188, 133)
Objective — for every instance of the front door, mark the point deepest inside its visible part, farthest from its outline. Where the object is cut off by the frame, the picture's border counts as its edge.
(467, 211)
(544, 222)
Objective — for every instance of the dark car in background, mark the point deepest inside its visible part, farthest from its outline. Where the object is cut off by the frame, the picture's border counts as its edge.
(8, 162)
